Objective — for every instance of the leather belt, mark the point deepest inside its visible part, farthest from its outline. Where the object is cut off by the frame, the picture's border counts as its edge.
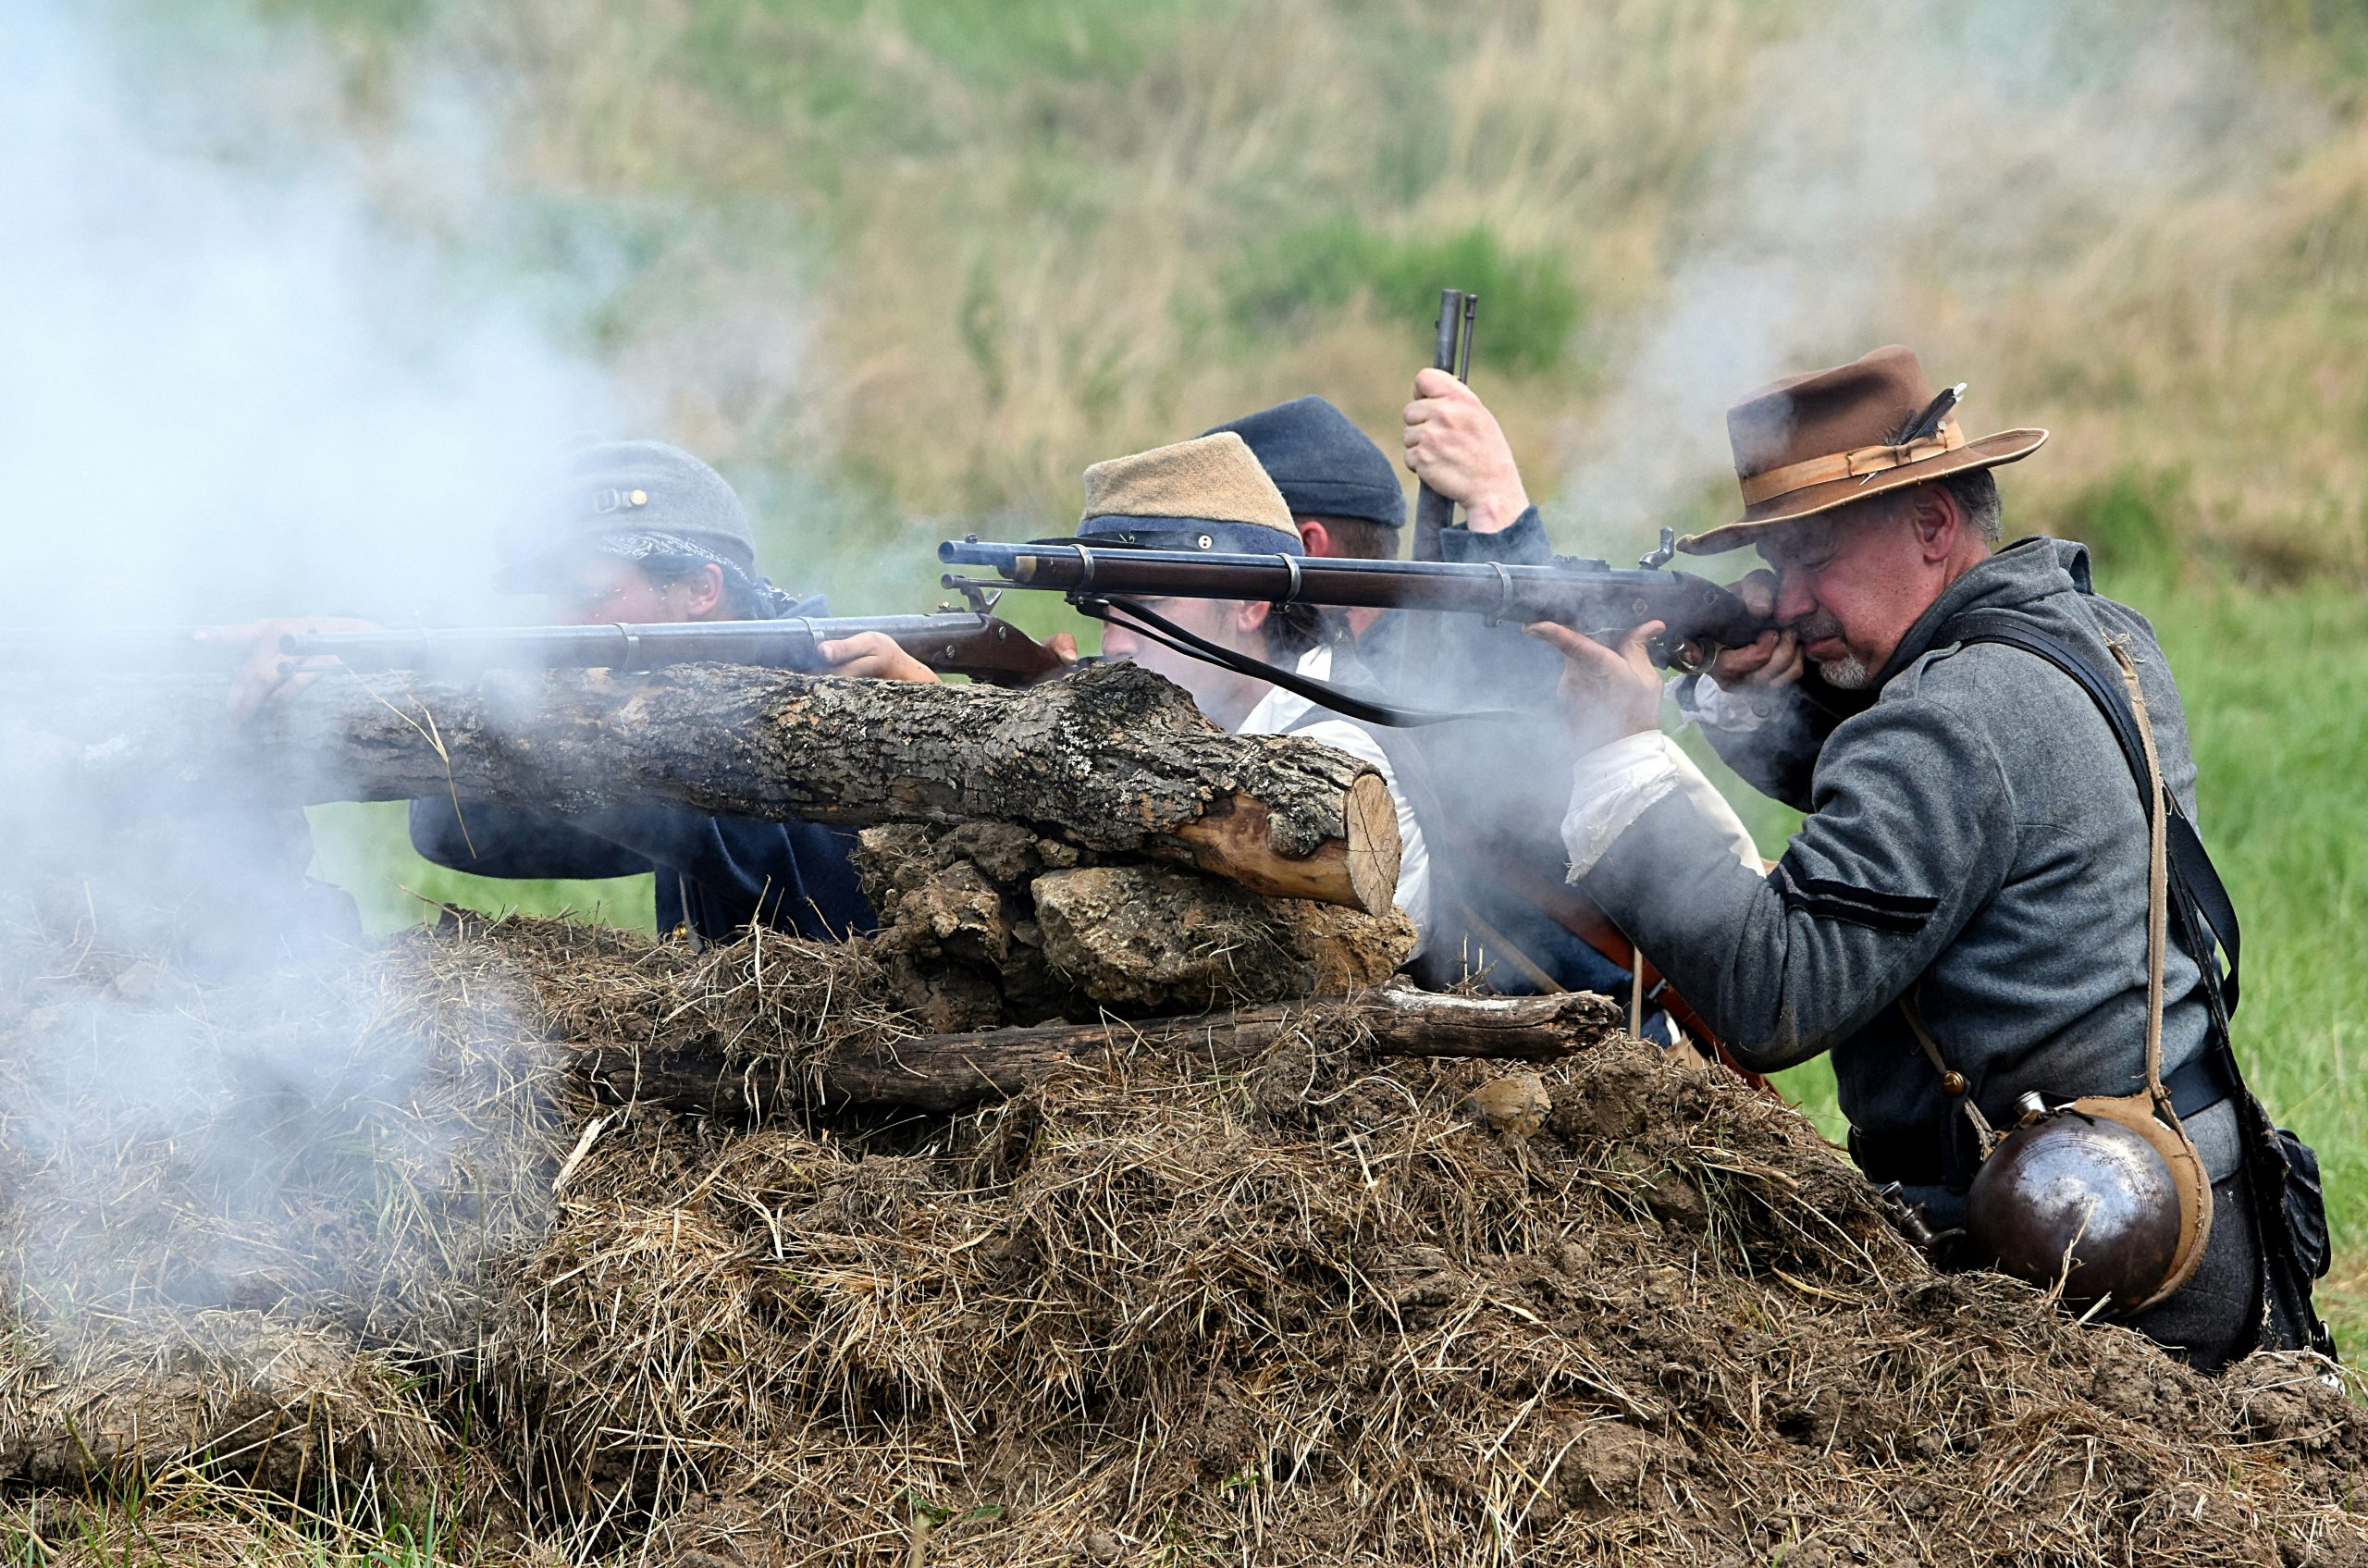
(2202, 1083)
(1921, 1159)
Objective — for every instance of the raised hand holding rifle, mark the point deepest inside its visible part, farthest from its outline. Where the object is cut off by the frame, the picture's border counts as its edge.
(1455, 446)
(1451, 363)
(1459, 452)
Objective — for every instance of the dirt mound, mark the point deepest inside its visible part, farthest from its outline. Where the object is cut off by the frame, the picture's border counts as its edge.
(1324, 1309)
(270, 1404)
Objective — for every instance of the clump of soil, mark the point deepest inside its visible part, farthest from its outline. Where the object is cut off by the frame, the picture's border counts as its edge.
(1324, 1309)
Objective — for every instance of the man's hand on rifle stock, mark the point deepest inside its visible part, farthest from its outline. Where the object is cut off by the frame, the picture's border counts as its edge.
(1608, 693)
(1456, 447)
(1771, 660)
(268, 675)
(873, 656)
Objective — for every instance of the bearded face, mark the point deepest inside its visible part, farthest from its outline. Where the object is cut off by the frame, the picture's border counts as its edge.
(1851, 582)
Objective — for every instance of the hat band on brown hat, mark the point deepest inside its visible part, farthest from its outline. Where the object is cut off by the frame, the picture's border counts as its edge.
(1834, 438)
(1862, 463)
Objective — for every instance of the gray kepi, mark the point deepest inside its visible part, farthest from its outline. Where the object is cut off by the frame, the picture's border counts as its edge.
(630, 500)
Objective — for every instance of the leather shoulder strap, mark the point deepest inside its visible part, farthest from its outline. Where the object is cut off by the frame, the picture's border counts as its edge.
(2195, 882)
(1365, 707)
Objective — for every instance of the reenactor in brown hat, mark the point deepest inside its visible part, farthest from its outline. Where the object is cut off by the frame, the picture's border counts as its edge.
(1210, 494)
(1997, 916)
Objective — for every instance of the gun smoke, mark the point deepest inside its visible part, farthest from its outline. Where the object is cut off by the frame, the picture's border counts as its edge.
(1974, 148)
(235, 379)
(251, 365)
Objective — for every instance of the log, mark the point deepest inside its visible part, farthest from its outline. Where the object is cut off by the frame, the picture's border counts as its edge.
(1114, 760)
(986, 925)
(945, 1073)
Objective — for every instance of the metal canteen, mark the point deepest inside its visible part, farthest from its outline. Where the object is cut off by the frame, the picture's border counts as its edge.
(2064, 1183)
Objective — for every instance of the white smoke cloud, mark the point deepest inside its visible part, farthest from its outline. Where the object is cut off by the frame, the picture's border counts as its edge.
(247, 366)
(229, 384)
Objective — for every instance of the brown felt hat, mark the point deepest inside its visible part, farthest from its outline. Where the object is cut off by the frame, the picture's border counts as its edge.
(1831, 437)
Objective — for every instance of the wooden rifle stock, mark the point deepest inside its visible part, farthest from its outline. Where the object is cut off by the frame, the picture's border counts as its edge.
(1568, 908)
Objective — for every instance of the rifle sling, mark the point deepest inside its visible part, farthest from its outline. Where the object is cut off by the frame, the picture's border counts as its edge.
(1364, 705)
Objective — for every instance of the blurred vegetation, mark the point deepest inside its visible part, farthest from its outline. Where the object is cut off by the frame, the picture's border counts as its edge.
(1302, 277)
(963, 248)
(2332, 35)
(2126, 522)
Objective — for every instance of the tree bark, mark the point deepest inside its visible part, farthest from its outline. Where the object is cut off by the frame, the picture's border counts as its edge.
(949, 1072)
(1114, 759)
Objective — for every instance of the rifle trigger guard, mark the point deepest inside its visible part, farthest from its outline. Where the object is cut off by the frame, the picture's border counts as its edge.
(1504, 593)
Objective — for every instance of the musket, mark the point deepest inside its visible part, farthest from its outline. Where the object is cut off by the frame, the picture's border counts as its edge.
(103, 651)
(1592, 596)
(1451, 352)
(984, 648)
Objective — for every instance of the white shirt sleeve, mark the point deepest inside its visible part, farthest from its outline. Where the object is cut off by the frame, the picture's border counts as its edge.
(1614, 785)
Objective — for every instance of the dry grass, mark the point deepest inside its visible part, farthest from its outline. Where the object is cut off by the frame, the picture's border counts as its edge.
(958, 252)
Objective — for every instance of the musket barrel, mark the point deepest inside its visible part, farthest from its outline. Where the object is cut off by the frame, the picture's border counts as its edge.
(1587, 594)
(1451, 351)
(788, 644)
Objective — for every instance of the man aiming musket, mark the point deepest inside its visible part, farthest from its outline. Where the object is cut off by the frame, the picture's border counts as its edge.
(1997, 916)
(1208, 617)
(1592, 595)
(642, 549)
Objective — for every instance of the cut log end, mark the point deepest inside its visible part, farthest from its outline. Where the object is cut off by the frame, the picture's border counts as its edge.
(1234, 839)
(1373, 849)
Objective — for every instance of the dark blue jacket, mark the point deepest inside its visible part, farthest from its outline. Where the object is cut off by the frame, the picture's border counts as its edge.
(716, 875)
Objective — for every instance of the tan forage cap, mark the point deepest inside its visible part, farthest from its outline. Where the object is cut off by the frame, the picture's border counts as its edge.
(1211, 487)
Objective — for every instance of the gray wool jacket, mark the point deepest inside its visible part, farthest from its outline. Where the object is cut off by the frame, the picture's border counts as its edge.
(1974, 838)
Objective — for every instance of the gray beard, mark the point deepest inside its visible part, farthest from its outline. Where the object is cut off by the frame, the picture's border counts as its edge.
(1848, 672)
